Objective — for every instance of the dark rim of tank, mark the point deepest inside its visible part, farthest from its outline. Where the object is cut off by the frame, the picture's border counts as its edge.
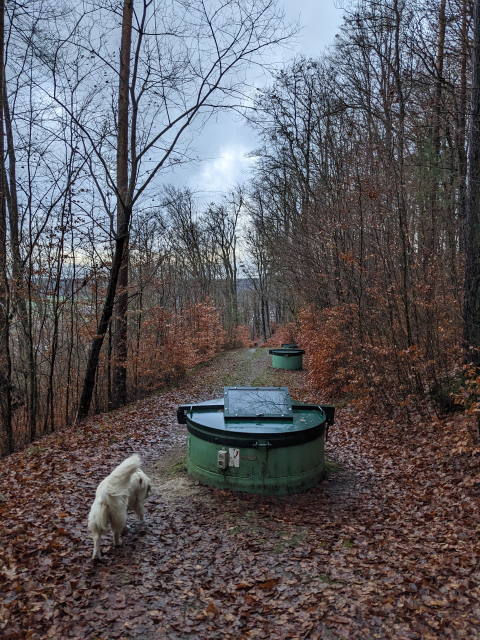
(218, 405)
(251, 417)
(286, 353)
(275, 440)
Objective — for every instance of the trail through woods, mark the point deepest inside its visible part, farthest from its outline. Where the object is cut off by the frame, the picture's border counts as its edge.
(386, 547)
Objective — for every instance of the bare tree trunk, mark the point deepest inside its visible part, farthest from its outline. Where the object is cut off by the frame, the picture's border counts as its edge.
(121, 331)
(97, 341)
(109, 369)
(5, 360)
(72, 312)
(462, 107)
(72, 325)
(264, 323)
(139, 333)
(18, 288)
(50, 410)
(401, 203)
(438, 83)
(432, 234)
(119, 270)
(471, 309)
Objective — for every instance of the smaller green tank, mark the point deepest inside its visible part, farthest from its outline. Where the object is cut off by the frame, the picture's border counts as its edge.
(290, 359)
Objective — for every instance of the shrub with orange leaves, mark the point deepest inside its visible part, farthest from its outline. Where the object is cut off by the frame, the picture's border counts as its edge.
(201, 326)
(321, 337)
(241, 338)
(172, 342)
(347, 354)
(283, 335)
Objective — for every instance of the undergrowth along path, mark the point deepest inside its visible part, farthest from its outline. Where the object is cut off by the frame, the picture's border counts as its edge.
(386, 547)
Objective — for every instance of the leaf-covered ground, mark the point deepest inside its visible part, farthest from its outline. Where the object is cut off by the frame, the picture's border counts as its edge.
(386, 547)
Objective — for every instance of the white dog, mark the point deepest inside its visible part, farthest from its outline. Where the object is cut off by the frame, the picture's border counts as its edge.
(125, 488)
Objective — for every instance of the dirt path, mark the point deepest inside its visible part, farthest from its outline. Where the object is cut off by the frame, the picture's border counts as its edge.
(244, 368)
(383, 548)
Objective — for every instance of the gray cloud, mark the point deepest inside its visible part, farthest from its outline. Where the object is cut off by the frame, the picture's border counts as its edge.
(223, 143)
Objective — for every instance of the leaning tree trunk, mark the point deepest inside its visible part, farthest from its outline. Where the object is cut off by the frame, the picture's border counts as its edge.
(119, 270)
(96, 345)
(471, 308)
(120, 368)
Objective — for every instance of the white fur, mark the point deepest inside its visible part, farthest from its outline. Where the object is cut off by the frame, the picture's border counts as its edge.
(125, 488)
(138, 490)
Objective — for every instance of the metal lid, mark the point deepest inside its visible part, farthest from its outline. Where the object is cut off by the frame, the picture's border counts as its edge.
(286, 353)
(257, 402)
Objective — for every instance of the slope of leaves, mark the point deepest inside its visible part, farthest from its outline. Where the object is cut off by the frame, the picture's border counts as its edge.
(386, 547)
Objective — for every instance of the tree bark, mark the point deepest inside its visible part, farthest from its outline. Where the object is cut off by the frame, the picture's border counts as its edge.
(119, 270)
(5, 360)
(96, 344)
(121, 329)
(438, 83)
(432, 234)
(17, 291)
(462, 156)
(471, 309)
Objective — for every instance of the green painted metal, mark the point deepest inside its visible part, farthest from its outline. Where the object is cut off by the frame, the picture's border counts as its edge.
(292, 364)
(268, 452)
(283, 471)
(290, 345)
(284, 358)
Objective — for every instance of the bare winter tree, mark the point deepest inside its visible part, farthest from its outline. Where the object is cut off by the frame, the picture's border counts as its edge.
(222, 221)
(188, 60)
(5, 361)
(189, 239)
(471, 308)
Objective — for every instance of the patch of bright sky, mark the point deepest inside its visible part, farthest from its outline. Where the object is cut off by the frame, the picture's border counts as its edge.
(223, 170)
(225, 142)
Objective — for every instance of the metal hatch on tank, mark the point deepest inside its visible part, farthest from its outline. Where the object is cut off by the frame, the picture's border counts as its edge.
(256, 439)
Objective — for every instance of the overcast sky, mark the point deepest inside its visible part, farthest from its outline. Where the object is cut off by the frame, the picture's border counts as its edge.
(224, 143)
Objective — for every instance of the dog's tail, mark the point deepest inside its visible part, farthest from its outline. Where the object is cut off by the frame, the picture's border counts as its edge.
(119, 479)
(98, 519)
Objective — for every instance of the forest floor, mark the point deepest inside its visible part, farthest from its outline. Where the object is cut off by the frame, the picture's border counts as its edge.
(387, 546)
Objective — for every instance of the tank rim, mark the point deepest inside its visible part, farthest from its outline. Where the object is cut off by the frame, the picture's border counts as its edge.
(286, 353)
(276, 440)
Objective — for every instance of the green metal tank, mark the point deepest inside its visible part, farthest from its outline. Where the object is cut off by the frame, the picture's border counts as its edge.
(256, 439)
(284, 358)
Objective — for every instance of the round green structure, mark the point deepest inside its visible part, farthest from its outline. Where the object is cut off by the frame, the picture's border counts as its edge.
(290, 359)
(255, 439)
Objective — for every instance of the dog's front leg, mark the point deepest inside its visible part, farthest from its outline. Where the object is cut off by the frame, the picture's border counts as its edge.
(117, 538)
